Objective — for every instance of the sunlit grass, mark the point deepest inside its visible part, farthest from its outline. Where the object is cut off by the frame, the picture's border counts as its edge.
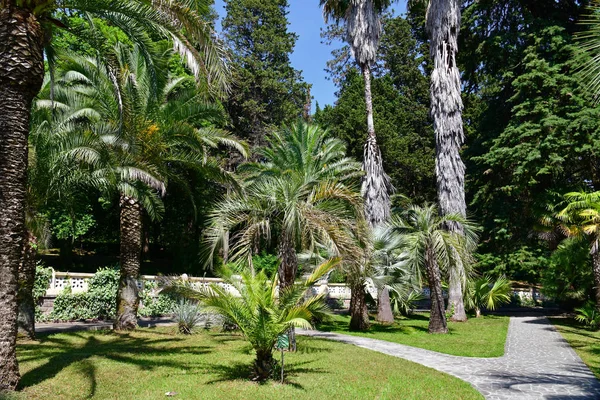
(478, 337)
(148, 363)
(584, 341)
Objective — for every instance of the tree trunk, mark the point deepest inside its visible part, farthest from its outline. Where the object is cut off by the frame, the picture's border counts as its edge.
(128, 298)
(263, 365)
(456, 304)
(443, 24)
(596, 268)
(26, 314)
(384, 307)
(288, 261)
(359, 314)
(288, 267)
(376, 185)
(437, 317)
(21, 75)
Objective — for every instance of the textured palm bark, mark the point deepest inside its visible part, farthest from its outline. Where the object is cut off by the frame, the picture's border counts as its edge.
(359, 314)
(288, 267)
(25, 300)
(443, 24)
(384, 307)
(263, 365)
(128, 298)
(21, 75)
(596, 267)
(288, 261)
(376, 185)
(437, 317)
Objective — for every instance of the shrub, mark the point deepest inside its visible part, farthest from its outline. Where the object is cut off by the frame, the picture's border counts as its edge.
(155, 305)
(43, 276)
(588, 315)
(99, 302)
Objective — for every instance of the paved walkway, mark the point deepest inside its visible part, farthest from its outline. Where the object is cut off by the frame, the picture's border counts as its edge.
(537, 363)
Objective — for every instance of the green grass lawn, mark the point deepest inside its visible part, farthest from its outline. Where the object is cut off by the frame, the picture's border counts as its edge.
(147, 363)
(478, 337)
(584, 341)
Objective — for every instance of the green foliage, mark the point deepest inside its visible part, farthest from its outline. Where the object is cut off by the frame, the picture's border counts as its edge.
(65, 226)
(531, 127)
(404, 299)
(568, 278)
(155, 304)
(588, 315)
(266, 262)
(99, 302)
(187, 315)
(43, 276)
(259, 312)
(486, 293)
(268, 92)
(524, 263)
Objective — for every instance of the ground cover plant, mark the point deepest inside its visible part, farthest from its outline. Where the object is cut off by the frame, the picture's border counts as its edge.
(208, 364)
(585, 341)
(477, 337)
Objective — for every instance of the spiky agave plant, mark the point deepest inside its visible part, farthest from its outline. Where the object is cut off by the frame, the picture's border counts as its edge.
(261, 311)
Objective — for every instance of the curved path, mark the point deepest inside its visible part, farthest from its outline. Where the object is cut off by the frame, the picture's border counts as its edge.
(538, 363)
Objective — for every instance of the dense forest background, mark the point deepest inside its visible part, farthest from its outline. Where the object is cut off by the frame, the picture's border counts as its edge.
(532, 133)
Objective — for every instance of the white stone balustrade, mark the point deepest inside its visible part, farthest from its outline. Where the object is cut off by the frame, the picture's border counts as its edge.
(79, 283)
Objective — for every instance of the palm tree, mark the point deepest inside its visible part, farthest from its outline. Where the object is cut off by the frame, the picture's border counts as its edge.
(443, 26)
(485, 293)
(25, 29)
(581, 218)
(261, 310)
(363, 29)
(303, 194)
(302, 191)
(138, 126)
(428, 246)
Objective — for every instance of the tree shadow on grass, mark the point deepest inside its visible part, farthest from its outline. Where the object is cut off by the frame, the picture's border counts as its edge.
(240, 371)
(59, 353)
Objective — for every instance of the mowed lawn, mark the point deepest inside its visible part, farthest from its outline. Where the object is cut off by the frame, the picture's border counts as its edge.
(584, 341)
(478, 337)
(148, 363)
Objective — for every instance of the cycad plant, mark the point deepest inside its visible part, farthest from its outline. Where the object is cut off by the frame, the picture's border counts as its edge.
(484, 293)
(263, 310)
(428, 246)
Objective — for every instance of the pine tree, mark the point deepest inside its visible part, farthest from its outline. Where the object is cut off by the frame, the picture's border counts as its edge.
(268, 92)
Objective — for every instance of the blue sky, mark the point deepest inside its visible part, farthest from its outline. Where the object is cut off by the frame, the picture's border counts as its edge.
(310, 55)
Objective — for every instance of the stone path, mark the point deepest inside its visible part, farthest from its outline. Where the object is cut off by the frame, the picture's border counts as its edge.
(537, 363)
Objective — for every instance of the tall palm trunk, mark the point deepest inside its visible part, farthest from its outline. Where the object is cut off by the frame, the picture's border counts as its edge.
(128, 298)
(21, 75)
(26, 315)
(376, 184)
(437, 317)
(443, 24)
(288, 267)
(359, 314)
(596, 270)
